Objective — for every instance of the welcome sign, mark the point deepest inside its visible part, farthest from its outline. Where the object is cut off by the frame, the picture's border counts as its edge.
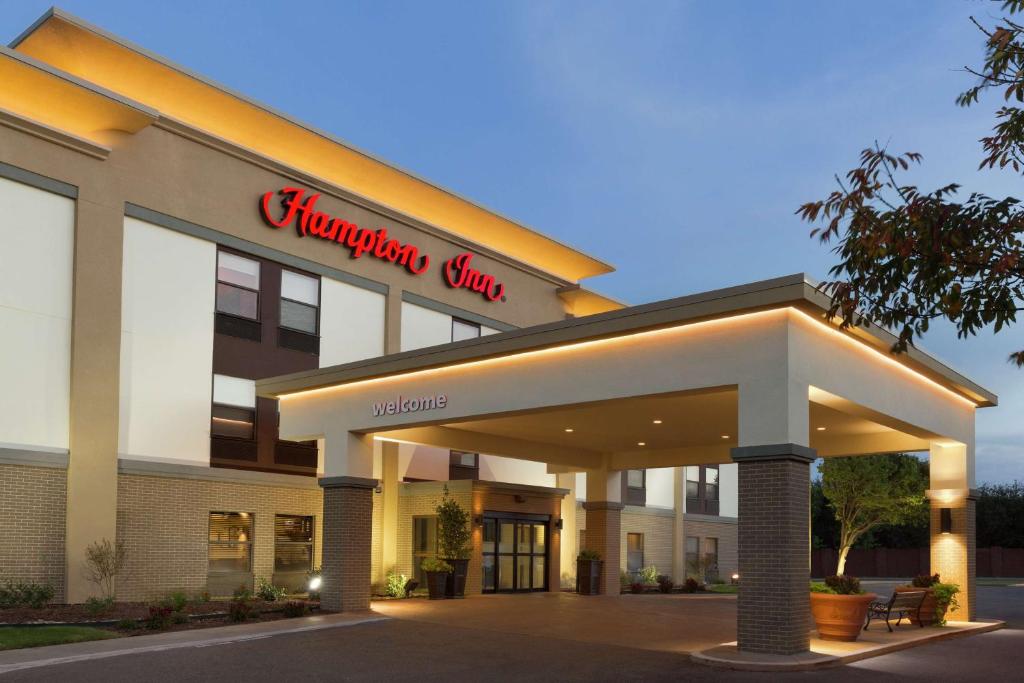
(403, 404)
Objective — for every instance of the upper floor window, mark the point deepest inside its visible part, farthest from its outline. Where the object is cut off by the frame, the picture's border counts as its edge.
(238, 286)
(234, 408)
(463, 329)
(636, 487)
(702, 489)
(300, 302)
(463, 465)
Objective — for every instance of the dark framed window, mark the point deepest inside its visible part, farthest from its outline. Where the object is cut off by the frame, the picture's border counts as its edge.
(464, 329)
(238, 285)
(711, 558)
(463, 465)
(693, 568)
(299, 313)
(514, 552)
(634, 552)
(230, 542)
(233, 418)
(702, 489)
(293, 543)
(635, 489)
(424, 544)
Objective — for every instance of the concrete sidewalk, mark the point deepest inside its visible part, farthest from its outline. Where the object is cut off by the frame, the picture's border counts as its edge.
(30, 658)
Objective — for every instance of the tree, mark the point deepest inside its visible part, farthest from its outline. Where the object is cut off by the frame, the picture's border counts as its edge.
(909, 257)
(866, 491)
(1000, 511)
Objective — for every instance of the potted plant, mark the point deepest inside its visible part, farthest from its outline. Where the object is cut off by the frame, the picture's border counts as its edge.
(839, 607)
(939, 598)
(453, 534)
(437, 572)
(588, 572)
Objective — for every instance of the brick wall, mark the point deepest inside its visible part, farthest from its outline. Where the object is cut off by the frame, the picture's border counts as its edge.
(164, 523)
(348, 517)
(656, 526)
(376, 541)
(954, 555)
(421, 499)
(32, 518)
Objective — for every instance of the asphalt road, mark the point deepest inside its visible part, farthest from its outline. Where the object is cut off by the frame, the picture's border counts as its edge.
(407, 650)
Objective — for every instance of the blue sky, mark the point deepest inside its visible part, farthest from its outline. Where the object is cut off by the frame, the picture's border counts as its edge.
(674, 140)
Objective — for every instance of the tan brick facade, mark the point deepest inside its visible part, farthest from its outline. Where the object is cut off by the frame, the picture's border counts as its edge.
(32, 517)
(164, 524)
(656, 526)
(954, 555)
(727, 534)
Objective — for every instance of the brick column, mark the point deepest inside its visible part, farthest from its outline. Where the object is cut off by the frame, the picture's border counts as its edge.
(604, 525)
(954, 555)
(348, 520)
(774, 605)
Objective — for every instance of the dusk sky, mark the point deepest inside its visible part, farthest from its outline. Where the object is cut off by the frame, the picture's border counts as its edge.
(674, 140)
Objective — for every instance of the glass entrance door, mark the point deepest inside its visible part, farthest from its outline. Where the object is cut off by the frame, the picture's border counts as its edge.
(515, 551)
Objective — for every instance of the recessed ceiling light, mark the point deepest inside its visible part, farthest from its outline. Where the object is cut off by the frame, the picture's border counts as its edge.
(569, 429)
(657, 422)
(641, 443)
(821, 429)
(725, 436)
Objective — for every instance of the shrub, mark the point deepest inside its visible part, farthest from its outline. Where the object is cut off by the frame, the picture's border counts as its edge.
(691, 585)
(177, 601)
(432, 564)
(395, 587)
(267, 591)
(636, 587)
(453, 531)
(200, 598)
(242, 593)
(924, 580)
(665, 584)
(649, 574)
(241, 609)
(104, 562)
(127, 625)
(25, 594)
(844, 585)
(945, 598)
(586, 554)
(625, 579)
(97, 606)
(819, 587)
(159, 617)
(294, 608)
(179, 617)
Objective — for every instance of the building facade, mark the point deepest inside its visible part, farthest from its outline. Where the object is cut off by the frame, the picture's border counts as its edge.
(165, 244)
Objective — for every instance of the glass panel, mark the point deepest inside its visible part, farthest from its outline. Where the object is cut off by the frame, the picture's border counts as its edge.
(505, 572)
(293, 528)
(229, 557)
(538, 572)
(293, 557)
(488, 572)
(540, 534)
(711, 475)
(237, 270)
(231, 526)
(235, 301)
(523, 569)
(506, 538)
(234, 391)
(462, 458)
(711, 491)
(634, 542)
(490, 533)
(300, 288)
(232, 422)
(634, 561)
(523, 538)
(692, 544)
(711, 548)
(692, 489)
(424, 534)
(230, 541)
(298, 316)
(692, 473)
(463, 330)
(635, 479)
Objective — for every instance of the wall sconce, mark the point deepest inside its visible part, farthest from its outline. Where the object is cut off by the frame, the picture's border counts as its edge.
(378, 489)
(558, 524)
(478, 520)
(520, 499)
(945, 520)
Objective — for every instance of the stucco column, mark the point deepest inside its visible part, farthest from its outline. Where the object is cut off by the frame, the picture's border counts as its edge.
(679, 525)
(348, 516)
(389, 509)
(604, 524)
(953, 552)
(569, 536)
(773, 611)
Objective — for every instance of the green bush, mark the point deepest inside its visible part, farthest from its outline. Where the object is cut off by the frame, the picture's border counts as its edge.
(200, 598)
(24, 594)
(625, 579)
(945, 598)
(294, 608)
(691, 585)
(395, 587)
(924, 580)
(177, 601)
(432, 564)
(586, 554)
(453, 530)
(159, 617)
(665, 584)
(127, 625)
(267, 591)
(844, 585)
(242, 593)
(819, 587)
(649, 574)
(241, 609)
(179, 617)
(97, 606)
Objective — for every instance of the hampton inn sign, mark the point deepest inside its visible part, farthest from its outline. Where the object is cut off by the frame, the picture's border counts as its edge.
(300, 210)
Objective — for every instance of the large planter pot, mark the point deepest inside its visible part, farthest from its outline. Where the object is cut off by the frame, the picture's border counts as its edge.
(456, 585)
(840, 617)
(928, 615)
(588, 577)
(436, 583)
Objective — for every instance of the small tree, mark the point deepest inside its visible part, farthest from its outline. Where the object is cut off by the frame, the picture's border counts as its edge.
(869, 490)
(453, 532)
(104, 562)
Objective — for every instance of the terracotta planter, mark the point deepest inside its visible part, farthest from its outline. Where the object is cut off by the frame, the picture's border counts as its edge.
(436, 582)
(840, 617)
(456, 585)
(588, 577)
(928, 616)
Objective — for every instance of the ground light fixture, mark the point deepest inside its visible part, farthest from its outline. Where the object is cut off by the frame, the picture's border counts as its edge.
(946, 520)
(735, 578)
(315, 583)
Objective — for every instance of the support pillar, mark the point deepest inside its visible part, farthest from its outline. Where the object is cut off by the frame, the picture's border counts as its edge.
(604, 524)
(389, 508)
(679, 525)
(953, 550)
(773, 612)
(348, 521)
(569, 536)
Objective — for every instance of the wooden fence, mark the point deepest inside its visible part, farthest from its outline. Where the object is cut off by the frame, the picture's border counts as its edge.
(907, 562)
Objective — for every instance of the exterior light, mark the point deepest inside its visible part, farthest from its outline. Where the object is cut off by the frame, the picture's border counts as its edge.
(641, 443)
(569, 430)
(478, 520)
(657, 422)
(946, 520)
(735, 578)
(314, 583)
(821, 429)
(558, 523)
(725, 436)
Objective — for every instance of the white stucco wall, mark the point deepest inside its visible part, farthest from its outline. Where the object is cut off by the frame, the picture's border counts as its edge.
(167, 304)
(423, 327)
(351, 323)
(36, 263)
(660, 487)
(728, 491)
(422, 462)
(515, 471)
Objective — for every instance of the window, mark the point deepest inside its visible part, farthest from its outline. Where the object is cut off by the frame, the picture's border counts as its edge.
(634, 553)
(463, 465)
(711, 558)
(463, 329)
(230, 542)
(702, 490)
(693, 568)
(300, 302)
(238, 286)
(293, 543)
(635, 492)
(424, 544)
(234, 408)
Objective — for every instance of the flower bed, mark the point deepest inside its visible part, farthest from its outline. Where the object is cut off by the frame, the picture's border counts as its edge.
(200, 614)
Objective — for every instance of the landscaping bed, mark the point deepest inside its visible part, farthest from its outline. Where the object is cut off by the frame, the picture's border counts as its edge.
(192, 615)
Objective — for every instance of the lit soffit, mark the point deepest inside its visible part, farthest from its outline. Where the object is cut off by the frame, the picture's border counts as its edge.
(96, 56)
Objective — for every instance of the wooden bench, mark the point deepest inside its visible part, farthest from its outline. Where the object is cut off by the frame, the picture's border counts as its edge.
(902, 604)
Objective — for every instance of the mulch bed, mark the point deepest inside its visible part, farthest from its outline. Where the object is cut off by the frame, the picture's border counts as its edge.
(77, 614)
